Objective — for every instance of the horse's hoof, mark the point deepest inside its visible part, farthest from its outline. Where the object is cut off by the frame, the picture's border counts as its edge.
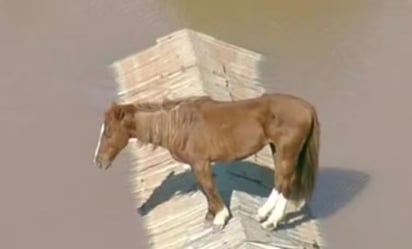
(209, 217)
(219, 224)
(208, 221)
(269, 226)
(259, 218)
(218, 227)
(221, 219)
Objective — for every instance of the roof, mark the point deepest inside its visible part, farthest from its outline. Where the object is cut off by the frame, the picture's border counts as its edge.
(187, 63)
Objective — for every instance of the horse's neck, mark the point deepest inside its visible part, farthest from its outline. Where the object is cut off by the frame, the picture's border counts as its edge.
(166, 127)
(150, 126)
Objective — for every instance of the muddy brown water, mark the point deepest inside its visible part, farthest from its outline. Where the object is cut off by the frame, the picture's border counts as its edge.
(352, 59)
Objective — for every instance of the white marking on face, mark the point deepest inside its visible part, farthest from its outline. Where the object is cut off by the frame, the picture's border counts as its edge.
(277, 214)
(269, 205)
(221, 217)
(98, 143)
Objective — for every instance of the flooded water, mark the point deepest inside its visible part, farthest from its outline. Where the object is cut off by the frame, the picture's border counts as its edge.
(352, 59)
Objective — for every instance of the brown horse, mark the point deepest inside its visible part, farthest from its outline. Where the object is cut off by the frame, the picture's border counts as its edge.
(198, 131)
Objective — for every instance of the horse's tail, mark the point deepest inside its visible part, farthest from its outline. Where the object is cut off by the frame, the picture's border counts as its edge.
(307, 167)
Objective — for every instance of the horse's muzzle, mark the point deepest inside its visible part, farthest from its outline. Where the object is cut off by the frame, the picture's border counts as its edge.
(103, 164)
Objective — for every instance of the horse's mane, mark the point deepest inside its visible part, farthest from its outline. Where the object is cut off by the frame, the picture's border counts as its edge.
(167, 123)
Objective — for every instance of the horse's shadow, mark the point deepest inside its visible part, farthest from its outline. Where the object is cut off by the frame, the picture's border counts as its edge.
(336, 187)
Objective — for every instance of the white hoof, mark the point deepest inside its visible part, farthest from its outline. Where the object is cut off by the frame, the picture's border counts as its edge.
(221, 218)
(268, 225)
(277, 214)
(262, 214)
(264, 211)
(259, 217)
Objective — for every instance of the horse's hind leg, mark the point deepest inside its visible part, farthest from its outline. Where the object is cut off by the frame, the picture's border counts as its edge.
(264, 211)
(288, 149)
(216, 207)
(282, 179)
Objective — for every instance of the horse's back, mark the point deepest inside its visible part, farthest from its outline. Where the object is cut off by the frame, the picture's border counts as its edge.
(287, 107)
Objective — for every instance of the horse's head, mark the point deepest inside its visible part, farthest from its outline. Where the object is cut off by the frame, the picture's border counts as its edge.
(115, 132)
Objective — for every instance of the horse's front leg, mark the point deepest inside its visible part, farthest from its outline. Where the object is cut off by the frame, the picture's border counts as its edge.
(217, 209)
